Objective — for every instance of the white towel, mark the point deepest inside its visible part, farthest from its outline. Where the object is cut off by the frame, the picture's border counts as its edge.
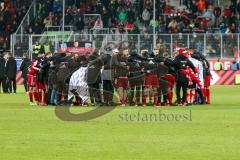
(78, 84)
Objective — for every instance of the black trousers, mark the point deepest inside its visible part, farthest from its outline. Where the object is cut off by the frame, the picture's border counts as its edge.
(108, 91)
(49, 94)
(162, 90)
(12, 84)
(135, 90)
(5, 85)
(181, 86)
(94, 91)
(181, 2)
(25, 83)
(1, 84)
(62, 90)
(187, 3)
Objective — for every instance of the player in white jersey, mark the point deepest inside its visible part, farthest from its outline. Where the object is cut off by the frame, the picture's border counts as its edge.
(199, 66)
(195, 81)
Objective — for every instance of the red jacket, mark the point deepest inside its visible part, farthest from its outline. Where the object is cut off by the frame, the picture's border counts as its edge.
(34, 68)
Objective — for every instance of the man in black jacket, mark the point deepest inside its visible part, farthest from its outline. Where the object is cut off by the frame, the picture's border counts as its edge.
(106, 60)
(182, 63)
(108, 88)
(94, 79)
(10, 72)
(106, 76)
(151, 77)
(5, 82)
(170, 76)
(24, 68)
(135, 77)
(2, 68)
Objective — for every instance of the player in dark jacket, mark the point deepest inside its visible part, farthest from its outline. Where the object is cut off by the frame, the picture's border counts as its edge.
(41, 82)
(162, 70)
(105, 59)
(207, 78)
(135, 77)
(151, 78)
(24, 68)
(170, 77)
(11, 72)
(182, 63)
(120, 73)
(52, 94)
(94, 79)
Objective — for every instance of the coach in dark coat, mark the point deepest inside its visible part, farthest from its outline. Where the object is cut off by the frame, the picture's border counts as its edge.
(181, 62)
(63, 72)
(106, 76)
(11, 72)
(94, 79)
(105, 60)
(24, 68)
(2, 68)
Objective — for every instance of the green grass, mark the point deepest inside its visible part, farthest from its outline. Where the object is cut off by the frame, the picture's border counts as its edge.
(36, 133)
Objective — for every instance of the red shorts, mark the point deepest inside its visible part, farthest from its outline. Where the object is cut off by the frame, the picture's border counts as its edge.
(41, 86)
(122, 82)
(151, 80)
(31, 81)
(171, 79)
(207, 81)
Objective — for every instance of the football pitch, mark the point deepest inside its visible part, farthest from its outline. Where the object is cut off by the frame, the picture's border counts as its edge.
(179, 133)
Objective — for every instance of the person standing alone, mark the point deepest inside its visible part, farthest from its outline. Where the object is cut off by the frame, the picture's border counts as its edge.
(10, 72)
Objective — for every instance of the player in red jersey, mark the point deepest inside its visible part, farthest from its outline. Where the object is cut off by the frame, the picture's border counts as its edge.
(182, 63)
(193, 82)
(170, 77)
(120, 70)
(207, 80)
(32, 82)
(41, 79)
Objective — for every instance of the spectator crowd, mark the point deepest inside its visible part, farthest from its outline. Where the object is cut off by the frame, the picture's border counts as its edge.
(126, 16)
(11, 14)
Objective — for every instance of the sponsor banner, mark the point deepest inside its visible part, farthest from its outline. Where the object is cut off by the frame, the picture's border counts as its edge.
(19, 78)
(19, 62)
(78, 50)
(81, 47)
(226, 63)
(225, 76)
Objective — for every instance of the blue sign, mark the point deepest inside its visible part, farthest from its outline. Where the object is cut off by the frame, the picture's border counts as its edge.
(19, 62)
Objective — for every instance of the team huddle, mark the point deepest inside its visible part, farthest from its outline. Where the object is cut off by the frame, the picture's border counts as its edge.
(119, 76)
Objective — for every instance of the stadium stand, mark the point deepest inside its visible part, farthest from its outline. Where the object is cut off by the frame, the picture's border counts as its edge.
(128, 16)
(11, 14)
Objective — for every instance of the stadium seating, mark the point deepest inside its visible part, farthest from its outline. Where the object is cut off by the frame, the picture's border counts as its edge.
(132, 16)
(11, 14)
